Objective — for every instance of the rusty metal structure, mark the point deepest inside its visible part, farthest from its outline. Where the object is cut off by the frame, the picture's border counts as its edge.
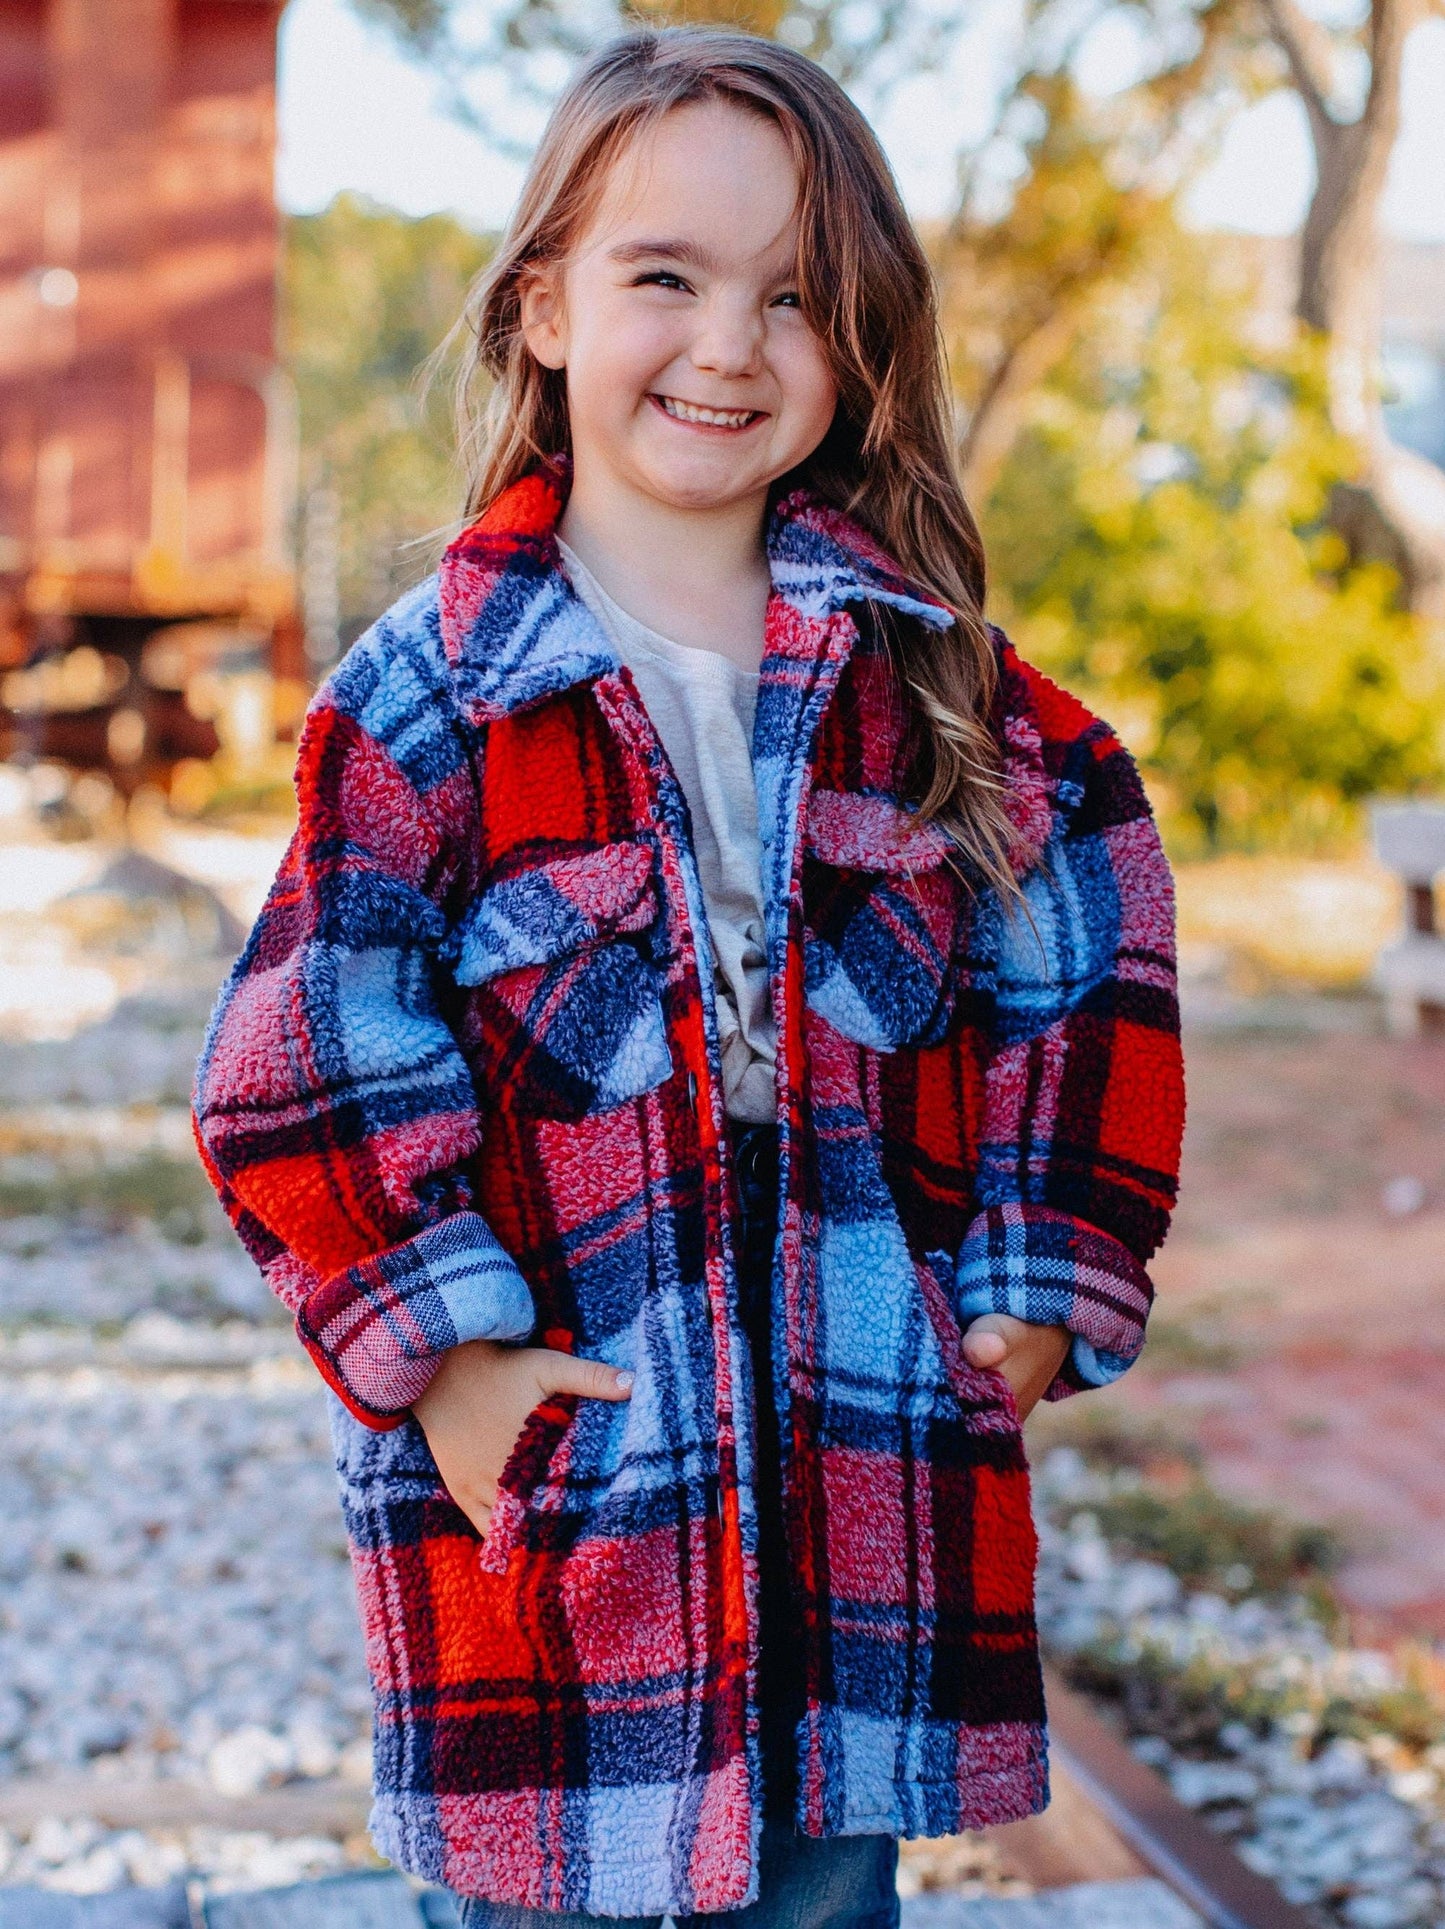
(147, 438)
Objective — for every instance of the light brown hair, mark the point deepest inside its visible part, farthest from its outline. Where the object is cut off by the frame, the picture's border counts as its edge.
(866, 289)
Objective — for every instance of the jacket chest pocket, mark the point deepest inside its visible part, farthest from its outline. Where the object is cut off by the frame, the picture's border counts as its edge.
(883, 914)
(566, 1017)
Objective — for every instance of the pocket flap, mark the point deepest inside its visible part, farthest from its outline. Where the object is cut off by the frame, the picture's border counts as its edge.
(863, 832)
(549, 910)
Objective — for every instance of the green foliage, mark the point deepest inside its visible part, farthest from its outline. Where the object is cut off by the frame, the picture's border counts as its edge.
(1143, 1508)
(152, 1187)
(1209, 1540)
(369, 295)
(1188, 1703)
(1158, 540)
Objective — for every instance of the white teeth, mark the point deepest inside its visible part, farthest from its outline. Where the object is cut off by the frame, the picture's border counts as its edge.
(716, 418)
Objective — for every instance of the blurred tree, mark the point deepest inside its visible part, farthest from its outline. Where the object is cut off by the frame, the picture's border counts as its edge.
(1348, 77)
(1057, 205)
(1085, 181)
(1017, 286)
(1158, 486)
(369, 295)
(1158, 539)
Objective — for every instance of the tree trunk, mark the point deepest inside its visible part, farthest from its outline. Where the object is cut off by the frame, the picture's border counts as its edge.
(1395, 507)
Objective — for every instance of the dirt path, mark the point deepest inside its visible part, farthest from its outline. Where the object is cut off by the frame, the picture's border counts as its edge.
(1301, 1316)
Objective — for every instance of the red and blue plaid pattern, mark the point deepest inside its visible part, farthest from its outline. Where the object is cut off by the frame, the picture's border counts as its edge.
(465, 1081)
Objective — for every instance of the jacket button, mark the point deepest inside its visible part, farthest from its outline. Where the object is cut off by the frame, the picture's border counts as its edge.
(692, 1088)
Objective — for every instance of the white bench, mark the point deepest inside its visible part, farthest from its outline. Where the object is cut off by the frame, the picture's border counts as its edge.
(1410, 973)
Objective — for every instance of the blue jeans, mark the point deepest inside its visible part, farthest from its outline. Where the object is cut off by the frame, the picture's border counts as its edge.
(847, 1882)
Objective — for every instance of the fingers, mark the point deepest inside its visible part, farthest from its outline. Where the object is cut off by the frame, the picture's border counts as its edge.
(988, 1340)
(592, 1379)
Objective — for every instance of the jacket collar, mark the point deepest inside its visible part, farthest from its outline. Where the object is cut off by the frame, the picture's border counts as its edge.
(514, 631)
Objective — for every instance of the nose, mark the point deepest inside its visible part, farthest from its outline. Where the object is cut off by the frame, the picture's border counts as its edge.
(729, 339)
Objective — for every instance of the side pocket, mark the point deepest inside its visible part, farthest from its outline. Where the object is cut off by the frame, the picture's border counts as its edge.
(982, 1392)
(543, 1432)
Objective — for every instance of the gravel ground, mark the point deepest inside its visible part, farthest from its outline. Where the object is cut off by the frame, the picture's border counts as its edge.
(175, 1598)
(82, 1858)
(173, 1574)
(1352, 1825)
(175, 1601)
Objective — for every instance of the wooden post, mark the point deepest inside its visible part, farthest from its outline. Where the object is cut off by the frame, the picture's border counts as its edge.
(1410, 973)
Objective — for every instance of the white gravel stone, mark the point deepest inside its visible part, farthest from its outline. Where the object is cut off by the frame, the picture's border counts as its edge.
(1209, 1784)
(1388, 1911)
(1236, 1739)
(175, 1599)
(248, 1761)
(1152, 1749)
(81, 1858)
(185, 1577)
(1345, 1830)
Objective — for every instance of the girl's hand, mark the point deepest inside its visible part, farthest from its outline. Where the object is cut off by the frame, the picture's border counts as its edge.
(478, 1402)
(1028, 1356)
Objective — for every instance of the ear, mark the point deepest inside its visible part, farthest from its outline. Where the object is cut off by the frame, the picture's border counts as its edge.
(542, 319)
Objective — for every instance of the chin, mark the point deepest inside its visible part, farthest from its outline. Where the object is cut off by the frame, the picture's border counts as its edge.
(703, 491)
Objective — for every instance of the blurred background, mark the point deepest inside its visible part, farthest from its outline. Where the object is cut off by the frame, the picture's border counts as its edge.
(1192, 257)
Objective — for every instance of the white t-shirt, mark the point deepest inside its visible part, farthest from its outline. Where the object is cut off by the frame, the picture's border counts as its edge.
(702, 706)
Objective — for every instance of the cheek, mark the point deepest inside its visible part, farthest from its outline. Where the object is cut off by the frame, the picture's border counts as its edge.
(619, 354)
(808, 385)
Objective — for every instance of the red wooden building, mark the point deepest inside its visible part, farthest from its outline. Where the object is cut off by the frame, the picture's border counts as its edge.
(147, 442)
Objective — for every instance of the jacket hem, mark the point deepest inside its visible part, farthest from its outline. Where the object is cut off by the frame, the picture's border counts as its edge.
(442, 1839)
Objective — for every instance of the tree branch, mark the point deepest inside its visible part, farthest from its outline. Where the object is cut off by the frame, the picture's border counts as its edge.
(1307, 47)
(1390, 24)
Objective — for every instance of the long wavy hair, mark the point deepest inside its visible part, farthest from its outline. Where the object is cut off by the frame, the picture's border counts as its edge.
(867, 291)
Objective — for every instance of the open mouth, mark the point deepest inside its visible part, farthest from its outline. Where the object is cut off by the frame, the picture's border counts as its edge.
(704, 418)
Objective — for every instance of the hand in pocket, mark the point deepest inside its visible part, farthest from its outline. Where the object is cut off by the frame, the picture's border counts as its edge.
(1028, 1356)
(476, 1406)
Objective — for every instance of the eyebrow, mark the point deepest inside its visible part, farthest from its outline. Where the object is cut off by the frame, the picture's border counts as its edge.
(671, 250)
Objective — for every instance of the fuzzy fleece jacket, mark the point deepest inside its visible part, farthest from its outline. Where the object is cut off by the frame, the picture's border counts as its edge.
(464, 1082)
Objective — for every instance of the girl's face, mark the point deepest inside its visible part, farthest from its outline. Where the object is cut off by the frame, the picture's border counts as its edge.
(692, 376)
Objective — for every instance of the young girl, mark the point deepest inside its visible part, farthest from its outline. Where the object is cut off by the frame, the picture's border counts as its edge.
(709, 1061)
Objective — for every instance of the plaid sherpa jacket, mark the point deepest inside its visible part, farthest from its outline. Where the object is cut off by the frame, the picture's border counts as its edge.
(464, 1081)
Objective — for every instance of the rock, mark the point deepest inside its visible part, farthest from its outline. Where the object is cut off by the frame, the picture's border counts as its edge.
(313, 1752)
(1152, 1750)
(1414, 1784)
(1262, 1855)
(94, 1874)
(1236, 1738)
(1210, 1784)
(268, 1862)
(54, 1841)
(1089, 1559)
(1143, 1587)
(1383, 1829)
(1384, 1911)
(1084, 1905)
(1301, 1889)
(246, 1762)
(1285, 1811)
(1343, 1764)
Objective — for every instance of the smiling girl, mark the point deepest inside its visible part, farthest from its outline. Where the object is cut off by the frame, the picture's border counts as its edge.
(709, 1061)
